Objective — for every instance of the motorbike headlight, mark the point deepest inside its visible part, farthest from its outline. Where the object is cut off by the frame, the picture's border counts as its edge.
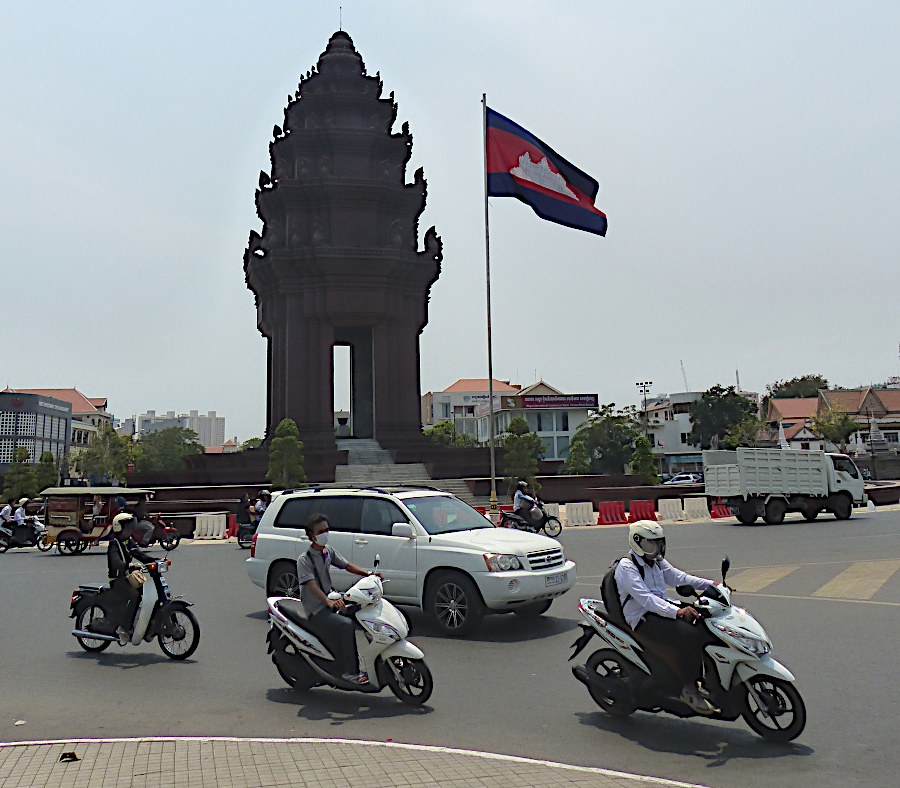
(744, 641)
(380, 629)
(498, 562)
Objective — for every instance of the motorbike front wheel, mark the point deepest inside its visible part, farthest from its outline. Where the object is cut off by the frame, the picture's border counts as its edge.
(606, 663)
(183, 634)
(90, 614)
(45, 544)
(552, 526)
(4, 545)
(784, 715)
(410, 680)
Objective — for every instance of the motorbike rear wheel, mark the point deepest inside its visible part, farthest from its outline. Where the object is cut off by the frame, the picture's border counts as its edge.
(608, 664)
(83, 621)
(786, 710)
(552, 526)
(184, 637)
(410, 680)
(170, 542)
(294, 670)
(68, 544)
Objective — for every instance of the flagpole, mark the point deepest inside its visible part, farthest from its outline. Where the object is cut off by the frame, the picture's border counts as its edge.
(494, 510)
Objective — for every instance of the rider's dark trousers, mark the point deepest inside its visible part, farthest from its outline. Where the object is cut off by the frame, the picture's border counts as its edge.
(339, 633)
(676, 642)
(122, 602)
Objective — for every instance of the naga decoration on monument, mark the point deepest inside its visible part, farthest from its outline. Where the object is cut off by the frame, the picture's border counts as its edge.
(337, 261)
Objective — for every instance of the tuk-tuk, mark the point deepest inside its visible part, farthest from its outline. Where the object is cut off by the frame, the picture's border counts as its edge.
(78, 517)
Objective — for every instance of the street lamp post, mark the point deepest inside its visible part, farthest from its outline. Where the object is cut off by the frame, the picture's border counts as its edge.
(644, 388)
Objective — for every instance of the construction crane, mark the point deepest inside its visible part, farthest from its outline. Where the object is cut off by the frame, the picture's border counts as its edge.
(684, 377)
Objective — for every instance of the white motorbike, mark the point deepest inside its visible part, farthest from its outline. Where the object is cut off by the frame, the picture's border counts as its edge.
(739, 676)
(304, 661)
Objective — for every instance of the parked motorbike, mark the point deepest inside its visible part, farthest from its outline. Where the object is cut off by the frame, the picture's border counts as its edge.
(740, 677)
(31, 534)
(539, 521)
(167, 535)
(159, 615)
(303, 660)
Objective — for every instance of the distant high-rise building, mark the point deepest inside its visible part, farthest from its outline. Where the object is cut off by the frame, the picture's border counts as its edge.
(210, 428)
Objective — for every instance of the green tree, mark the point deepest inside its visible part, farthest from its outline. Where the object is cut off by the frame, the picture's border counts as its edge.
(835, 426)
(521, 451)
(286, 456)
(444, 433)
(107, 456)
(45, 474)
(747, 433)
(19, 481)
(799, 387)
(579, 462)
(608, 438)
(166, 450)
(251, 443)
(716, 414)
(642, 462)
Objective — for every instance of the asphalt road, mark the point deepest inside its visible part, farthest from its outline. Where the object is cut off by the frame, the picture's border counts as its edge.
(828, 594)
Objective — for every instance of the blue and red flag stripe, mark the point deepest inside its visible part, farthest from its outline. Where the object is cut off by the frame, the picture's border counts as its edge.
(522, 166)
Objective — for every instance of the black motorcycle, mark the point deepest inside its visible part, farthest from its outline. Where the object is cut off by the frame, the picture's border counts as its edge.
(245, 534)
(547, 523)
(30, 534)
(167, 535)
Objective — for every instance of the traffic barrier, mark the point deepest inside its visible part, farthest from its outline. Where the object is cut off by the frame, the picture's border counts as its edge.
(641, 510)
(232, 525)
(552, 509)
(210, 526)
(670, 509)
(581, 513)
(611, 513)
(506, 508)
(719, 510)
(696, 509)
(481, 510)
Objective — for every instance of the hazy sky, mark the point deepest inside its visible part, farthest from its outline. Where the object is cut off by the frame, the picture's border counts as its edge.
(748, 156)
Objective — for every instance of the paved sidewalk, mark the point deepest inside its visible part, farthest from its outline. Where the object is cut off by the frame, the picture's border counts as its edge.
(254, 763)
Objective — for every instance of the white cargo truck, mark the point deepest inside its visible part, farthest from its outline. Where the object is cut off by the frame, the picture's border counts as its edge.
(768, 483)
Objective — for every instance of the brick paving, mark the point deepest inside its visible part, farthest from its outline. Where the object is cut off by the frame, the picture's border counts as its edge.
(260, 763)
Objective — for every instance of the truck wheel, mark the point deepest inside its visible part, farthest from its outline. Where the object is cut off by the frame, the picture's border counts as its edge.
(842, 507)
(775, 511)
(746, 512)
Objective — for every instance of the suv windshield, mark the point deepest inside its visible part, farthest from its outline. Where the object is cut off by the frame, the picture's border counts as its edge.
(443, 514)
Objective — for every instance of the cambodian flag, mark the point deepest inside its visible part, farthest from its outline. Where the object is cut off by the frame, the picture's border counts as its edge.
(520, 165)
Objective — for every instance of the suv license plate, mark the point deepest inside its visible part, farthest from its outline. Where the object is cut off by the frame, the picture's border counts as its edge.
(555, 580)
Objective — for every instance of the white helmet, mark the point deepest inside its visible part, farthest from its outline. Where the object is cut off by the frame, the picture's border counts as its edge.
(646, 538)
(23, 501)
(122, 520)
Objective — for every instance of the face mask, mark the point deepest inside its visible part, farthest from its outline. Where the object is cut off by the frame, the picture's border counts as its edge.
(322, 539)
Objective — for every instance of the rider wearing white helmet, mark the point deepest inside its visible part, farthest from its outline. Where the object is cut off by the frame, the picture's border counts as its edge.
(120, 552)
(522, 502)
(660, 625)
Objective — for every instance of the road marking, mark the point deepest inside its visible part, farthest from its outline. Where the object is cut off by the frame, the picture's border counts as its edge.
(860, 580)
(759, 577)
(827, 599)
(364, 743)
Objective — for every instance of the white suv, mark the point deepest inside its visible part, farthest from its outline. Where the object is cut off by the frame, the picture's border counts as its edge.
(437, 551)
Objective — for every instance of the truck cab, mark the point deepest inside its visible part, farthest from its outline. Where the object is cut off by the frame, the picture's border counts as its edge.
(844, 476)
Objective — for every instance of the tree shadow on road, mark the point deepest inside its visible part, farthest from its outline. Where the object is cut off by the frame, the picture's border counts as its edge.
(712, 742)
(126, 660)
(338, 706)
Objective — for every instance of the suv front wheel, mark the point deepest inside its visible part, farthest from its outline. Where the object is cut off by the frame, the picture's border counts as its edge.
(283, 580)
(453, 602)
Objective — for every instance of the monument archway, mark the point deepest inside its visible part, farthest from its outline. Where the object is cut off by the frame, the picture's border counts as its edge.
(337, 261)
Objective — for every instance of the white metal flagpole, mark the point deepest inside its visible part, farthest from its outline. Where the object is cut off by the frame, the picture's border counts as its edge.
(494, 510)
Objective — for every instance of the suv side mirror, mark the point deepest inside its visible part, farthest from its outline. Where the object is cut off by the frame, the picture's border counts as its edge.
(403, 529)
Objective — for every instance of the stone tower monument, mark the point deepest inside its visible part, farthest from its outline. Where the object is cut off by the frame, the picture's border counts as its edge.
(337, 262)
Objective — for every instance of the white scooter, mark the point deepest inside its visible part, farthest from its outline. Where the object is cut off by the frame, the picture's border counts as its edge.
(739, 676)
(304, 661)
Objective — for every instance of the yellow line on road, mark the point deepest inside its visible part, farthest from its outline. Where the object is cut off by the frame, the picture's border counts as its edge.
(859, 581)
(758, 578)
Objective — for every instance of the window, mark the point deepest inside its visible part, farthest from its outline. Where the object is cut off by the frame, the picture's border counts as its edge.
(563, 421)
(891, 437)
(545, 422)
(549, 448)
(294, 513)
(562, 447)
(441, 514)
(804, 446)
(342, 512)
(8, 422)
(378, 515)
(532, 418)
(445, 410)
(845, 464)
(685, 437)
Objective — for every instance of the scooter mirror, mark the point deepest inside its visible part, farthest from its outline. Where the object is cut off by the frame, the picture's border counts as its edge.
(726, 565)
(686, 590)
(377, 560)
